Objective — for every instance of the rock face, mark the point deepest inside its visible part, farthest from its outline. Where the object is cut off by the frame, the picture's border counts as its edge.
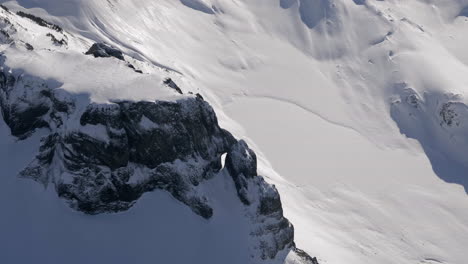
(102, 158)
(41, 22)
(275, 231)
(171, 84)
(117, 152)
(121, 151)
(102, 50)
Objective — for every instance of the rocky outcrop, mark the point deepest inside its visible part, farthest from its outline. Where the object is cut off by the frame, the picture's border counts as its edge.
(28, 104)
(41, 22)
(275, 233)
(102, 50)
(102, 158)
(117, 152)
(449, 113)
(171, 84)
(55, 41)
(7, 29)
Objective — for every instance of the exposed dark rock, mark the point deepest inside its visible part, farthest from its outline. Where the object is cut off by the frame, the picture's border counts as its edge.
(7, 29)
(102, 50)
(170, 83)
(133, 68)
(176, 145)
(22, 114)
(449, 115)
(23, 122)
(5, 35)
(29, 46)
(56, 41)
(41, 22)
(106, 159)
(199, 96)
(270, 203)
(119, 151)
(305, 257)
(5, 8)
(241, 162)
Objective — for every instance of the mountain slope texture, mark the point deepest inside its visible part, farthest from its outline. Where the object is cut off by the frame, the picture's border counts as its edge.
(234, 131)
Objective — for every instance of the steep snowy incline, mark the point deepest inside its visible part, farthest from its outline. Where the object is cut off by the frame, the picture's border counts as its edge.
(350, 200)
(359, 105)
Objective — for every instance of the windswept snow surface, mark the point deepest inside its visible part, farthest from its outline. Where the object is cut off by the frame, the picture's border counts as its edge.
(349, 105)
(353, 202)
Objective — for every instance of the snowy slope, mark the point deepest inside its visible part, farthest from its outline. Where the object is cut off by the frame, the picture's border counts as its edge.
(359, 106)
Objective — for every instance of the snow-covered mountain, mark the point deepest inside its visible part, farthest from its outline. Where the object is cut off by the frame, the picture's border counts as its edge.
(102, 157)
(111, 149)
